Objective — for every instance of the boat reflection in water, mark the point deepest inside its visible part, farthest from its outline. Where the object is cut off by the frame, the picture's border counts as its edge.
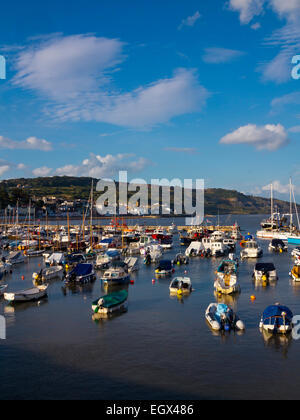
(278, 342)
(229, 300)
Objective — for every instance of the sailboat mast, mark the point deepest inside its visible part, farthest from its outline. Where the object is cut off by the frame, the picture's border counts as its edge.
(272, 207)
(291, 208)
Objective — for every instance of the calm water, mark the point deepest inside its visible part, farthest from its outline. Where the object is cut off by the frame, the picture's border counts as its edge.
(161, 349)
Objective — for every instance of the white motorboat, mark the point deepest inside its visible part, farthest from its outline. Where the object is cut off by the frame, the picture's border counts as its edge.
(251, 249)
(195, 249)
(16, 257)
(296, 252)
(29, 295)
(115, 276)
(181, 286)
(215, 247)
(266, 272)
(277, 245)
(277, 319)
(50, 273)
(132, 264)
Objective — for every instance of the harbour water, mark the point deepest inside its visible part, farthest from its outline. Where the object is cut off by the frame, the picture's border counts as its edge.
(161, 348)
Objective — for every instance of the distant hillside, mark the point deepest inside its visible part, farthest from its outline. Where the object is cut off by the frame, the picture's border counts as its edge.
(71, 188)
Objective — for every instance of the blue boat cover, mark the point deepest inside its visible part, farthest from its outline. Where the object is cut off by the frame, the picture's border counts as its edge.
(276, 312)
(221, 309)
(82, 270)
(248, 237)
(113, 253)
(165, 265)
(107, 241)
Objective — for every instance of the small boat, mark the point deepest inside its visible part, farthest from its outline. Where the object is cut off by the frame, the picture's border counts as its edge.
(109, 304)
(277, 319)
(226, 282)
(266, 272)
(3, 289)
(50, 273)
(195, 249)
(222, 317)
(29, 295)
(295, 273)
(115, 276)
(132, 264)
(181, 259)
(181, 286)
(16, 257)
(82, 274)
(57, 258)
(164, 269)
(251, 249)
(296, 252)
(33, 254)
(103, 262)
(277, 245)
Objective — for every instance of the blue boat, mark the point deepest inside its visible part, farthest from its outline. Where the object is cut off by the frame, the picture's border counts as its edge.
(81, 274)
(294, 240)
(116, 276)
(277, 319)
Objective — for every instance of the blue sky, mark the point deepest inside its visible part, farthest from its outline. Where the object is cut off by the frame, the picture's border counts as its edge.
(168, 89)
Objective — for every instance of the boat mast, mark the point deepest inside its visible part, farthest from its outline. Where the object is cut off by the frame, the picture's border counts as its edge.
(272, 207)
(291, 208)
(91, 221)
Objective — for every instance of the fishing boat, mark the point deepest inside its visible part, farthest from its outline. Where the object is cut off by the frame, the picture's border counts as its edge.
(277, 319)
(50, 273)
(251, 250)
(164, 269)
(222, 317)
(181, 286)
(110, 304)
(265, 272)
(277, 245)
(29, 295)
(81, 274)
(3, 289)
(295, 273)
(115, 276)
(227, 282)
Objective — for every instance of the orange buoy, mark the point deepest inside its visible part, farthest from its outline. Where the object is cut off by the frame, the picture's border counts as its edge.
(253, 298)
(23, 278)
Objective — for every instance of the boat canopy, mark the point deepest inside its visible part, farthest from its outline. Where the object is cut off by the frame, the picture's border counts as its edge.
(165, 265)
(113, 253)
(82, 270)
(278, 242)
(277, 311)
(267, 267)
(221, 309)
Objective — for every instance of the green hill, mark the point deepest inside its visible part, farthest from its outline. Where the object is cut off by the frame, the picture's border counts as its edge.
(71, 188)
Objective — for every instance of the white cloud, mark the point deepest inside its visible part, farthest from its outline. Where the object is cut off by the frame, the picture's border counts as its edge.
(4, 168)
(247, 9)
(65, 67)
(32, 143)
(295, 129)
(98, 166)
(190, 21)
(75, 74)
(269, 137)
(289, 9)
(42, 172)
(279, 103)
(280, 188)
(221, 55)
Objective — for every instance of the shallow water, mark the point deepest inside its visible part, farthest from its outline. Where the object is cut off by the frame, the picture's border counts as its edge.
(161, 348)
